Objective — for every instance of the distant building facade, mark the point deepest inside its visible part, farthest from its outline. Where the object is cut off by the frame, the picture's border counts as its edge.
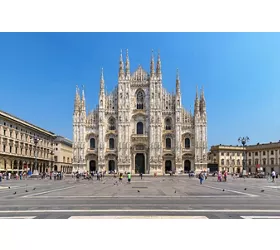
(229, 158)
(260, 157)
(17, 147)
(139, 127)
(63, 154)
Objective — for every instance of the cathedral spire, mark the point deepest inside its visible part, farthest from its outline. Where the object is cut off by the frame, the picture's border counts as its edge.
(158, 70)
(196, 105)
(121, 68)
(77, 98)
(177, 82)
(202, 101)
(152, 65)
(102, 80)
(127, 65)
(83, 102)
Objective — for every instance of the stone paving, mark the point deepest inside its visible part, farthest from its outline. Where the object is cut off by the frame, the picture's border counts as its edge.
(159, 196)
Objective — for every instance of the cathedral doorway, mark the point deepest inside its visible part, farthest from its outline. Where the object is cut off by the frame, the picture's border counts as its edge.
(140, 164)
(187, 166)
(92, 166)
(168, 166)
(111, 166)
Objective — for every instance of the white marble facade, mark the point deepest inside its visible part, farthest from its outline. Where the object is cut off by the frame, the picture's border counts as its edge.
(139, 126)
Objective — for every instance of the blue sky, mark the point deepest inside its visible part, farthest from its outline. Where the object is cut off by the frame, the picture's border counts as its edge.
(240, 73)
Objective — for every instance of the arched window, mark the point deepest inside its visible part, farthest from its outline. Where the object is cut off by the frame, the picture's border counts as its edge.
(112, 123)
(111, 143)
(168, 143)
(187, 143)
(140, 128)
(140, 99)
(168, 124)
(92, 143)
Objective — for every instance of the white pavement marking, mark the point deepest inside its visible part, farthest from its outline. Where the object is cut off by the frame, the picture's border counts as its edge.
(46, 192)
(260, 217)
(275, 187)
(138, 217)
(139, 196)
(141, 210)
(18, 217)
(232, 191)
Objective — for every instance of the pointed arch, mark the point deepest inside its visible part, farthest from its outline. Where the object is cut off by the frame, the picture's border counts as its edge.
(187, 143)
(168, 123)
(140, 99)
(112, 123)
(140, 128)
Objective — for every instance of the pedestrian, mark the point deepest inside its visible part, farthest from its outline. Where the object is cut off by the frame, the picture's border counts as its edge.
(219, 177)
(141, 175)
(273, 174)
(0, 176)
(200, 177)
(225, 176)
(129, 177)
(121, 177)
(9, 176)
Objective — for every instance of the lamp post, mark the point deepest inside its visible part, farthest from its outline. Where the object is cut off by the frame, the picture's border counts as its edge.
(35, 140)
(243, 141)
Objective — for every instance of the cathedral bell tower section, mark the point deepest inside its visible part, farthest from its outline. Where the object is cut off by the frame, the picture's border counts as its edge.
(200, 124)
(101, 125)
(155, 123)
(178, 128)
(79, 123)
(76, 133)
(124, 114)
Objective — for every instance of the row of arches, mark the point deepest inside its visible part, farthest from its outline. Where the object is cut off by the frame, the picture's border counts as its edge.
(112, 123)
(111, 143)
(139, 165)
(168, 141)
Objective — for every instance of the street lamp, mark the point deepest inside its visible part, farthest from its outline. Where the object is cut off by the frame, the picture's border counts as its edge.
(243, 141)
(35, 140)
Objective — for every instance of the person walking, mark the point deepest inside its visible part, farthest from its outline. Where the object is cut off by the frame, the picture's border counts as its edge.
(201, 178)
(121, 177)
(129, 177)
(273, 175)
(219, 177)
(225, 176)
(0, 176)
(141, 175)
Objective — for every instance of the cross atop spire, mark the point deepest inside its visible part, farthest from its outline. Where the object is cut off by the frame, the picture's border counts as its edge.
(121, 67)
(127, 65)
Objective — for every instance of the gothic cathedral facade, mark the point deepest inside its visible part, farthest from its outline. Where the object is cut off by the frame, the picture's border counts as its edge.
(139, 127)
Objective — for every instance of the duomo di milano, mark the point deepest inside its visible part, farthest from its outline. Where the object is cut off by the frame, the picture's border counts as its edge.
(139, 127)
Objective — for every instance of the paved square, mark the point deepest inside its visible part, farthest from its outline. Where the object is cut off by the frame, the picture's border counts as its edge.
(161, 196)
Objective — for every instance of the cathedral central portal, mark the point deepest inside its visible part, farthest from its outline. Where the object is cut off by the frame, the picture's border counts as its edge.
(139, 164)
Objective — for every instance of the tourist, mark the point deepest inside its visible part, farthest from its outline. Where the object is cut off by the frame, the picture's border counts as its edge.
(201, 177)
(219, 177)
(129, 177)
(273, 174)
(225, 176)
(121, 177)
